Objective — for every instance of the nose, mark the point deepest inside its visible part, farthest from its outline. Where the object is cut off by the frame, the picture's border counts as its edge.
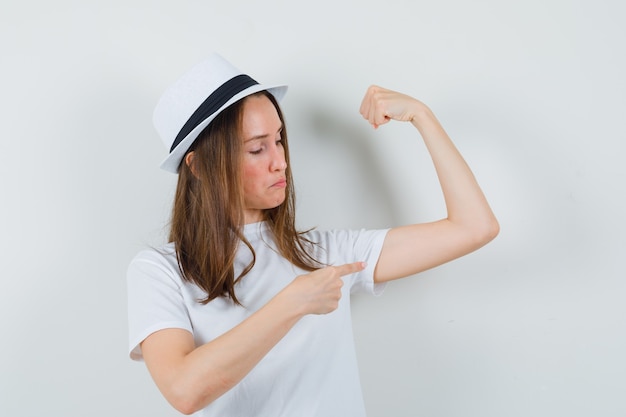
(278, 162)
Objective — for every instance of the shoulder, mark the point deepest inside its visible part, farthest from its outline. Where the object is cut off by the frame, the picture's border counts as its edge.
(154, 262)
(165, 250)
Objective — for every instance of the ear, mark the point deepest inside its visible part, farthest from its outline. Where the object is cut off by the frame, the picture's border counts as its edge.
(189, 160)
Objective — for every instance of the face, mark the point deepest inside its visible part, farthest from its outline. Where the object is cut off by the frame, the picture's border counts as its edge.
(264, 162)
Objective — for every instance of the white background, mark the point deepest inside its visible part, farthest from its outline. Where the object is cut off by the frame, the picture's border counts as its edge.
(532, 92)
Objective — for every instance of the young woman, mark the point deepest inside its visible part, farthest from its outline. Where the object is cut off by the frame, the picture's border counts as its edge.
(243, 315)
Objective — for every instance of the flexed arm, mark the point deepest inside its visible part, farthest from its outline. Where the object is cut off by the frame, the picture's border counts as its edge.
(469, 223)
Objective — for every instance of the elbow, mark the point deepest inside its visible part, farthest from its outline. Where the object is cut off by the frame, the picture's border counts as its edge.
(189, 406)
(187, 411)
(184, 400)
(185, 405)
(487, 231)
(479, 232)
(187, 401)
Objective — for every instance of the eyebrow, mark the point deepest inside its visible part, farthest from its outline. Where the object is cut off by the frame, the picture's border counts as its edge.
(263, 136)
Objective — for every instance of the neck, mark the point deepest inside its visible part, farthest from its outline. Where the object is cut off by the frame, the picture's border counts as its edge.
(252, 216)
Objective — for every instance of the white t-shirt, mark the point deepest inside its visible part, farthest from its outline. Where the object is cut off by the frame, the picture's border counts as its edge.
(312, 371)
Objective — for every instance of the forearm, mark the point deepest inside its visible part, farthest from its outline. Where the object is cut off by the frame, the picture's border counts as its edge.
(192, 377)
(198, 376)
(465, 202)
(469, 222)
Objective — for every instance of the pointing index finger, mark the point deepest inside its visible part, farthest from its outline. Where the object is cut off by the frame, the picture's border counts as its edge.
(347, 269)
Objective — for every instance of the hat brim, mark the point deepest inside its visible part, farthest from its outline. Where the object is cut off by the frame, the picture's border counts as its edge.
(173, 160)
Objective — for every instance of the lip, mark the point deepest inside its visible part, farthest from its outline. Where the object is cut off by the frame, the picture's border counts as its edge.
(281, 183)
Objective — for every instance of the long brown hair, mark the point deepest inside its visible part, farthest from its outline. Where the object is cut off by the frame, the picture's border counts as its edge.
(207, 217)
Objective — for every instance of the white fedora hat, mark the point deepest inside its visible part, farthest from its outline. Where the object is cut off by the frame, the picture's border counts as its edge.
(192, 102)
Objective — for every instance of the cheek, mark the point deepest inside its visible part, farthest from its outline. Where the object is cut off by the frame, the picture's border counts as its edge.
(250, 174)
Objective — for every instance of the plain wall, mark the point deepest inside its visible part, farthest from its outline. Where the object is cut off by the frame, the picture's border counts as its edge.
(532, 92)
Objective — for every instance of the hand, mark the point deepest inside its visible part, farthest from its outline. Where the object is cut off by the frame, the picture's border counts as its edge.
(380, 105)
(319, 292)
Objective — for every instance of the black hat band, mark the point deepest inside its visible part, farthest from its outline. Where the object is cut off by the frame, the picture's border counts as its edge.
(213, 102)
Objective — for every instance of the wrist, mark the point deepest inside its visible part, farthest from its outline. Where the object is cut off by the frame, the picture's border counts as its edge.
(293, 307)
(422, 115)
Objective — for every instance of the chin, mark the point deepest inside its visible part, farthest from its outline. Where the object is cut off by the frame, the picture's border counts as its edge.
(275, 205)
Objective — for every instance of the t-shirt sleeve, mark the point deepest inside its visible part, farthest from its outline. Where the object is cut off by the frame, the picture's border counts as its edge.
(155, 299)
(347, 246)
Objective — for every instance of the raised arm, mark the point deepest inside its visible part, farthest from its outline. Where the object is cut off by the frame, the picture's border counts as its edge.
(191, 377)
(469, 223)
